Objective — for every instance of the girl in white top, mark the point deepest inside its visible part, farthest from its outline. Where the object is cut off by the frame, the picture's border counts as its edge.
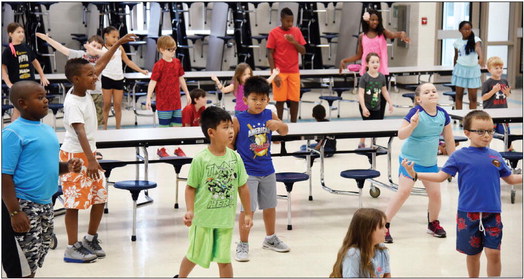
(113, 76)
(468, 60)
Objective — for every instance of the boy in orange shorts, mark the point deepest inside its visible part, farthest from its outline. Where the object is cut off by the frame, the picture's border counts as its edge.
(85, 189)
(284, 43)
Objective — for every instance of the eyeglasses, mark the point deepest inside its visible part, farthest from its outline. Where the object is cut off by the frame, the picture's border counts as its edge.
(171, 49)
(482, 132)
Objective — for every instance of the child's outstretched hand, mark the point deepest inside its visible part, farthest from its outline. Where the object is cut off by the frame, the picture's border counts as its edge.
(414, 119)
(214, 78)
(144, 71)
(248, 221)
(409, 167)
(44, 81)
(188, 218)
(74, 165)
(127, 38)
(390, 108)
(42, 36)
(404, 37)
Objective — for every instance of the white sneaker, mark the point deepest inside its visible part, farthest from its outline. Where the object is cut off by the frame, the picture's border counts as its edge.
(242, 252)
(275, 244)
(78, 254)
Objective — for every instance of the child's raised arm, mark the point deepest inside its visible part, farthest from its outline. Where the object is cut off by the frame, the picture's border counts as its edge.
(58, 46)
(101, 63)
(222, 88)
(433, 177)
(400, 35)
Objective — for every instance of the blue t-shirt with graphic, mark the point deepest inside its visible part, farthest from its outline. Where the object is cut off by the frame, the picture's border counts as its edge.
(422, 146)
(30, 154)
(480, 170)
(253, 142)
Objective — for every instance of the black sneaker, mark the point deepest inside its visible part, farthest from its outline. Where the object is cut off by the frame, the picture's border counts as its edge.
(436, 230)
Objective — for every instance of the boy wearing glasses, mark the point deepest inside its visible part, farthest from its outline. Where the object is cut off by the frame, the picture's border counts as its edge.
(166, 80)
(479, 223)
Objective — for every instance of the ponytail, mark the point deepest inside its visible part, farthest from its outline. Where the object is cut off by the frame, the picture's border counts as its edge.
(470, 45)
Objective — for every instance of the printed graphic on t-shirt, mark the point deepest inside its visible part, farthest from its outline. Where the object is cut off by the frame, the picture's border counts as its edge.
(89, 58)
(220, 184)
(24, 69)
(373, 88)
(500, 98)
(258, 137)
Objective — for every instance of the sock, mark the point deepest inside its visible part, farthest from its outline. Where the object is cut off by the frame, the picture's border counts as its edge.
(89, 237)
(69, 246)
(268, 237)
(387, 226)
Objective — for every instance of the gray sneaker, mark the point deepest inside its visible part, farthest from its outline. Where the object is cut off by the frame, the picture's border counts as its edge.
(94, 246)
(275, 244)
(78, 254)
(242, 252)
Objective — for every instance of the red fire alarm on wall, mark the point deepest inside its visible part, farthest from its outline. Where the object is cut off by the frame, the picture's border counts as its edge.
(424, 20)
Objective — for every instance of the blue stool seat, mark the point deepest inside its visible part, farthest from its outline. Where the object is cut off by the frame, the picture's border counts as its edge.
(360, 175)
(330, 100)
(369, 152)
(177, 163)
(6, 108)
(55, 107)
(452, 86)
(289, 178)
(409, 95)
(134, 187)
(340, 90)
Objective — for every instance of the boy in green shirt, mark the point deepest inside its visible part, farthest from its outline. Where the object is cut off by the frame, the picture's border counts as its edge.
(215, 176)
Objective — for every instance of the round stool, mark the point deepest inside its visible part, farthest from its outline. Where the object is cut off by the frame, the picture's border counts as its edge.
(177, 163)
(310, 159)
(134, 187)
(340, 90)
(289, 178)
(108, 166)
(330, 100)
(367, 151)
(55, 108)
(513, 158)
(409, 95)
(360, 175)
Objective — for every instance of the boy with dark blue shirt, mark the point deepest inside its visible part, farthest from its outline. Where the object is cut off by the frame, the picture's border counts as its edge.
(480, 169)
(30, 170)
(253, 129)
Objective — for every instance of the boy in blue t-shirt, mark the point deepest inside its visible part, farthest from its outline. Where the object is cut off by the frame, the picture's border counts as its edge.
(253, 129)
(30, 170)
(480, 168)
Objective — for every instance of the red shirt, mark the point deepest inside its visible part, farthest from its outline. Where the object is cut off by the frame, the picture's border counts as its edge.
(191, 116)
(285, 54)
(167, 89)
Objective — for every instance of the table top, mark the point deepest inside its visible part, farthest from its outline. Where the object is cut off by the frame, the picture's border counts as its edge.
(507, 115)
(194, 135)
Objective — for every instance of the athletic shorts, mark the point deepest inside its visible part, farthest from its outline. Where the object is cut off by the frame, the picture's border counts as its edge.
(262, 191)
(81, 191)
(289, 89)
(476, 230)
(25, 252)
(208, 245)
(418, 168)
(109, 84)
(170, 118)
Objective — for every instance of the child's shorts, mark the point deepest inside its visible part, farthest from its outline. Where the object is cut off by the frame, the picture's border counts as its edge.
(80, 191)
(208, 245)
(108, 84)
(262, 192)
(289, 88)
(476, 230)
(170, 118)
(418, 168)
(33, 244)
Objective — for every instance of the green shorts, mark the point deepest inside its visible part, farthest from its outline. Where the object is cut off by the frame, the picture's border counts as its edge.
(208, 245)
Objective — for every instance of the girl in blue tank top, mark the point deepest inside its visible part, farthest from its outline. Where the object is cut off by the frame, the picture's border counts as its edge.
(421, 128)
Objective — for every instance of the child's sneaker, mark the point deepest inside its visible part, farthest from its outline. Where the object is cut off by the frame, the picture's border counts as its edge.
(94, 246)
(180, 153)
(275, 244)
(78, 254)
(388, 238)
(242, 252)
(436, 230)
(161, 152)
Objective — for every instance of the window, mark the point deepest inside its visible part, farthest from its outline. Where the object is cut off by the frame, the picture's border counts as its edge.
(453, 13)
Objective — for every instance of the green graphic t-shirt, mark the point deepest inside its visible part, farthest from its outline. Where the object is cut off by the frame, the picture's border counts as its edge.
(216, 179)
